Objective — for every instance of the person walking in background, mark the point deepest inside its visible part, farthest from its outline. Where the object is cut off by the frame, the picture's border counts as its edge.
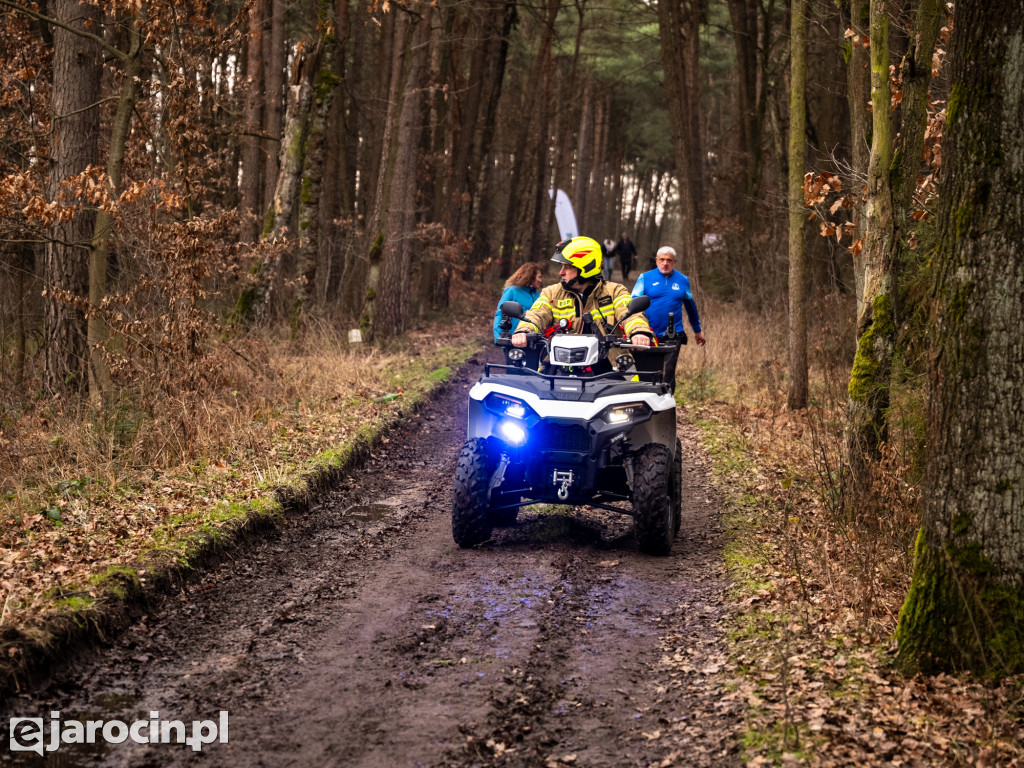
(669, 291)
(625, 250)
(523, 286)
(609, 260)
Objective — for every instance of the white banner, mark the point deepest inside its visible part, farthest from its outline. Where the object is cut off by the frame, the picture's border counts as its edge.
(564, 214)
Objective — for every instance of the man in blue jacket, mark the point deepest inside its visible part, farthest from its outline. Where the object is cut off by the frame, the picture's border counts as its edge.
(669, 291)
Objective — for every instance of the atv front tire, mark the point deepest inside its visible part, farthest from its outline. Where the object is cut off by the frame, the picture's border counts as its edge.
(653, 508)
(471, 523)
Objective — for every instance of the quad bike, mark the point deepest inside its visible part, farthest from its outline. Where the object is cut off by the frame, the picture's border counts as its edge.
(570, 435)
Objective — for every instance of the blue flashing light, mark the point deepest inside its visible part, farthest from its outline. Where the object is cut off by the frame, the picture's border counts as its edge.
(512, 433)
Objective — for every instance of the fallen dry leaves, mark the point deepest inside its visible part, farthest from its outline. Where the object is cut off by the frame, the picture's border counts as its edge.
(72, 510)
(813, 606)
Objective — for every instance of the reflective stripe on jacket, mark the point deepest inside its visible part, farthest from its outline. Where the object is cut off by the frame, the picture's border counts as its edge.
(607, 301)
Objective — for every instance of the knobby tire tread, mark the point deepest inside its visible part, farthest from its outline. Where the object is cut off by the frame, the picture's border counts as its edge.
(652, 505)
(471, 523)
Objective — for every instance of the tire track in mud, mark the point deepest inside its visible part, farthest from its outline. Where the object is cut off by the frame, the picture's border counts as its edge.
(360, 635)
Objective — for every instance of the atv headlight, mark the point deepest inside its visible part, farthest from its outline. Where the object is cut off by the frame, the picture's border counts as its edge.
(620, 414)
(503, 405)
(512, 432)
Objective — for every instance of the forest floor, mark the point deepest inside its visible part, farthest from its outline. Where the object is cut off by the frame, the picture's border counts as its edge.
(357, 633)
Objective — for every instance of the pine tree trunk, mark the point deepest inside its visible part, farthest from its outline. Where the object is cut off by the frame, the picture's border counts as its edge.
(274, 58)
(251, 161)
(76, 91)
(484, 189)
(965, 607)
(99, 375)
(393, 309)
(324, 86)
(532, 96)
(797, 161)
(679, 24)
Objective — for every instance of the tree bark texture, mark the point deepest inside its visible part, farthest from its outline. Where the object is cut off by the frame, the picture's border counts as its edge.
(274, 59)
(858, 89)
(74, 146)
(325, 84)
(876, 327)
(99, 375)
(400, 238)
(679, 26)
(499, 28)
(797, 159)
(251, 160)
(532, 95)
(965, 607)
(917, 77)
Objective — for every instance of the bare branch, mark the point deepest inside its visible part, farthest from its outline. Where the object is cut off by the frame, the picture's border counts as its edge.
(115, 52)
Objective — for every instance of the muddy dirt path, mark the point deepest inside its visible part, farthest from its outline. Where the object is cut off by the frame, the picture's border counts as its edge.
(360, 635)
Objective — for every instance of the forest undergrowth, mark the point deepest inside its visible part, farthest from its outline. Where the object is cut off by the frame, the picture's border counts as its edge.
(818, 576)
(87, 496)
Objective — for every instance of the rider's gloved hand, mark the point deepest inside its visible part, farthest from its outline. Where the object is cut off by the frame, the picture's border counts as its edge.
(639, 339)
(519, 340)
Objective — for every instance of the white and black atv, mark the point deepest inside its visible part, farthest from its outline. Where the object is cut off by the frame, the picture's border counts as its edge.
(570, 435)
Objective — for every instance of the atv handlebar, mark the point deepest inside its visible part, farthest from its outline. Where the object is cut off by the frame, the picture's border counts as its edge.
(531, 339)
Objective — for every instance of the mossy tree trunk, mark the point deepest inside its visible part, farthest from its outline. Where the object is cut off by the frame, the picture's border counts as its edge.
(965, 607)
(876, 329)
(797, 158)
(858, 88)
(255, 301)
(325, 85)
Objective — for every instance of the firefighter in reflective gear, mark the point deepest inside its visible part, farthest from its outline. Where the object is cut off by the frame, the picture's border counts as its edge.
(582, 294)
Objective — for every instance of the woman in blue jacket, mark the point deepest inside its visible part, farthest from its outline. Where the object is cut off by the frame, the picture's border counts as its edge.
(524, 286)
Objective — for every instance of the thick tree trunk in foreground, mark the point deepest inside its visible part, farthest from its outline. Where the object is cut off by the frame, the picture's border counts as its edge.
(797, 256)
(966, 602)
(76, 91)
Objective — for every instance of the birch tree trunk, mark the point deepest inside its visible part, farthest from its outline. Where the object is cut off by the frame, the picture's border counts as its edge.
(965, 607)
